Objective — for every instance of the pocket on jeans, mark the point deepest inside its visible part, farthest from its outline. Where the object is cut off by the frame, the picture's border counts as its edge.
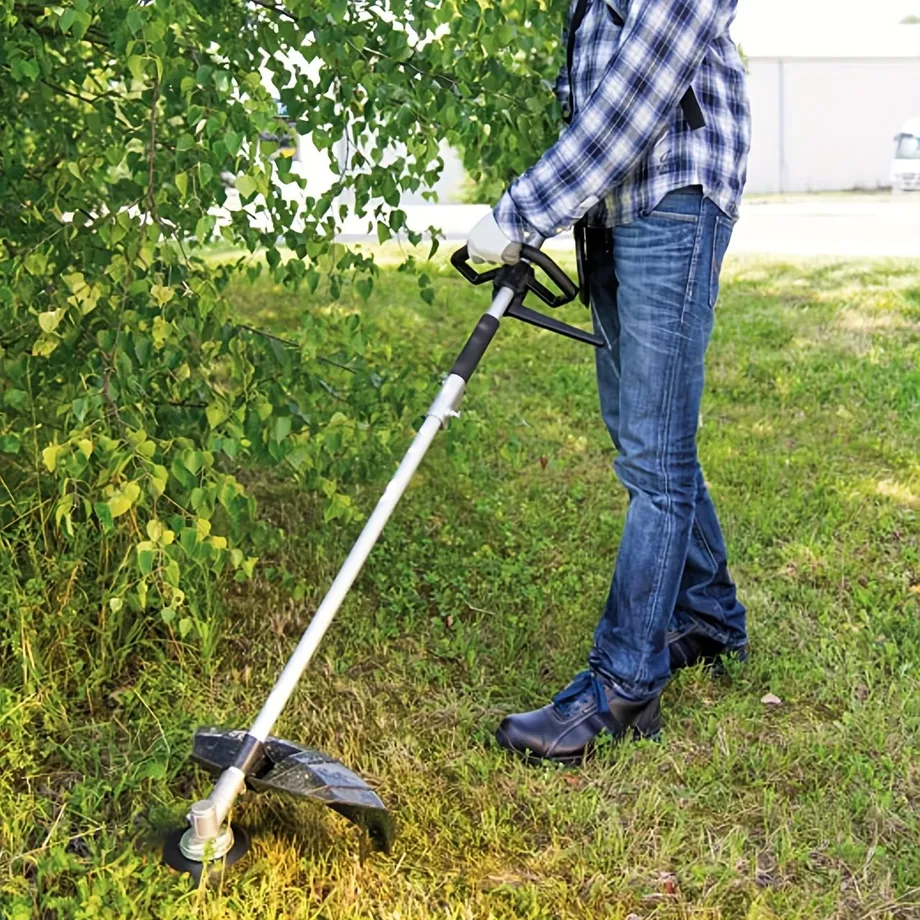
(722, 235)
(680, 216)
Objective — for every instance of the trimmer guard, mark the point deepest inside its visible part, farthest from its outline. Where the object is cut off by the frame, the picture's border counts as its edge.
(302, 772)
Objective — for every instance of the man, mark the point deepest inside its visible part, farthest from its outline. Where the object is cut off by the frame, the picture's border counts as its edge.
(654, 158)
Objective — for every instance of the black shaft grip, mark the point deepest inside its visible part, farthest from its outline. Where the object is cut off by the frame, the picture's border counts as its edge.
(475, 347)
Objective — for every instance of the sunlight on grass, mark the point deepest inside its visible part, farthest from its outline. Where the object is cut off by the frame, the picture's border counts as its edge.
(898, 492)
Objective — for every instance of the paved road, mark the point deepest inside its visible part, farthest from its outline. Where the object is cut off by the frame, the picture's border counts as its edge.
(849, 225)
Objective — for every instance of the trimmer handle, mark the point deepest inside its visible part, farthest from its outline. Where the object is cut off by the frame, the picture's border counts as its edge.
(461, 261)
(520, 278)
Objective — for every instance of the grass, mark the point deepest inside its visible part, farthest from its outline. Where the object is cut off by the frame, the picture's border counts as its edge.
(481, 600)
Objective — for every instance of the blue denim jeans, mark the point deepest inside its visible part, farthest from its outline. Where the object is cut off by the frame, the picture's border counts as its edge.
(653, 303)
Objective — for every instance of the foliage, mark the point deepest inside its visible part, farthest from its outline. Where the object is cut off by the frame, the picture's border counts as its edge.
(130, 398)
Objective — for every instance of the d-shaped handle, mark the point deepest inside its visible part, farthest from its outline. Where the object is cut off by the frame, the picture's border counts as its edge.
(461, 261)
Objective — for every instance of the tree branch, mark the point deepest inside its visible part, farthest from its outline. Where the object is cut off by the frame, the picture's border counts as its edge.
(290, 344)
(151, 203)
(274, 9)
(89, 100)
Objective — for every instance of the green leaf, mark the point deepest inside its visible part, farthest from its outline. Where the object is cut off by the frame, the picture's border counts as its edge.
(146, 554)
(185, 627)
(36, 263)
(104, 515)
(216, 414)
(205, 228)
(15, 399)
(162, 295)
(136, 66)
(154, 30)
(63, 509)
(66, 19)
(115, 604)
(44, 346)
(134, 20)
(158, 480)
(281, 427)
(232, 142)
(364, 287)
(9, 443)
(81, 24)
(245, 185)
(155, 530)
(122, 501)
(171, 573)
(192, 460)
(160, 332)
(50, 320)
(50, 456)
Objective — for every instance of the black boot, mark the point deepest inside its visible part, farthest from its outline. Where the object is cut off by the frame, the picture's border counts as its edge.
(693, 648)
(567, 729)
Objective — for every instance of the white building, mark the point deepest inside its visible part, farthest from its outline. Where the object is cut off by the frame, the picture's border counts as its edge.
(826, 108)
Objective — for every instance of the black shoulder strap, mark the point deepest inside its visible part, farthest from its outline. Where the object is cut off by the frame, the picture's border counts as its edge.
(578, 14)
(689, 104)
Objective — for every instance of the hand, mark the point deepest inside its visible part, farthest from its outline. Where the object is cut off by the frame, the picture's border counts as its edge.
(488, 243)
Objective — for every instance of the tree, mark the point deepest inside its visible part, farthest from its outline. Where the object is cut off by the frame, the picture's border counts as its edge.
(130, 397)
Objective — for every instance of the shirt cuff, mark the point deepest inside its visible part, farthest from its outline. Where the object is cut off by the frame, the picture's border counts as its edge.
(511, 222)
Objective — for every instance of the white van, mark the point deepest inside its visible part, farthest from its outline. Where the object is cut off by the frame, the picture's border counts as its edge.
(905, 167)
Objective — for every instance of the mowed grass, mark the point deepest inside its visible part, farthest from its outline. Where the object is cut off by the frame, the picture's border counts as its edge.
(480, 600)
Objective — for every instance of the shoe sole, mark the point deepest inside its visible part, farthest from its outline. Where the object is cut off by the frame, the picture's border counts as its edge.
(572, 760)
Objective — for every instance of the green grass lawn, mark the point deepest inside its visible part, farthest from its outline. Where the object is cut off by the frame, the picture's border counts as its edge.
(481, 599)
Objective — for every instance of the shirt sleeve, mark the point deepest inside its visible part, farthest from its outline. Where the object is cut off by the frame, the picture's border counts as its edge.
(661, 48)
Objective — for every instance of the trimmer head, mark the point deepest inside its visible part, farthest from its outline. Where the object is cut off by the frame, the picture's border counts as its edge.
(303, 772)
(176, 859)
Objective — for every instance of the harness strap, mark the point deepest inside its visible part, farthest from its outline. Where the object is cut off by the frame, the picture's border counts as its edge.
(689, 104)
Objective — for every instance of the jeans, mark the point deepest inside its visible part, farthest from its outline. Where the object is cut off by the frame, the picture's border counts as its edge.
(653, 304)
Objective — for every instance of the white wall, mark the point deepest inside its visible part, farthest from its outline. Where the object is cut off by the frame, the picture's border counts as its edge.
(827, 124)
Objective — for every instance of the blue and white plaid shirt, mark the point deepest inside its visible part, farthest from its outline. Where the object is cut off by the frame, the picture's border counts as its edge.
(628, 144)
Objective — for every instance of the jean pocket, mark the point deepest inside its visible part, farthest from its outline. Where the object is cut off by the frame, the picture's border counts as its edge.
(681, 216)
(722, 235)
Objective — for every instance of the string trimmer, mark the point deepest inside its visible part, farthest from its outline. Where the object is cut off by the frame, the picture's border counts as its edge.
(256, 759)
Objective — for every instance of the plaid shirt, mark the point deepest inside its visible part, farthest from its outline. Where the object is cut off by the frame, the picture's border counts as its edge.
(628, 145)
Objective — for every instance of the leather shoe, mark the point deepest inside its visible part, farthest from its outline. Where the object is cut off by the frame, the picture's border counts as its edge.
(693, 648)
(567, 729)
